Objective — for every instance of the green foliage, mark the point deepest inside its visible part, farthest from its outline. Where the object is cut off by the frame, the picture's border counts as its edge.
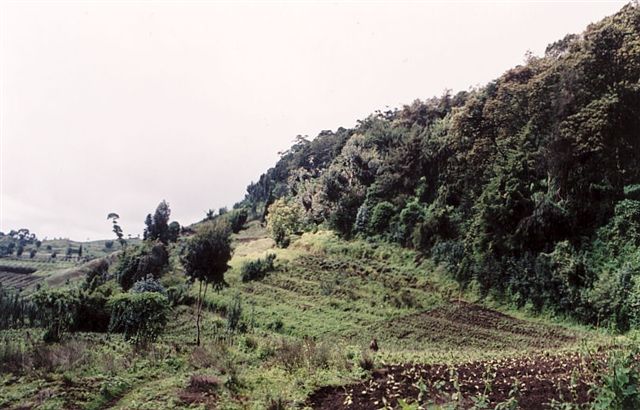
(139, 262)
(283, 220)
(205, 259)
(17, 311)
(237, 219)
(620, 385)
(257, 269)
(158, 227)
(381, 217)
(528, 187)
(141, 317)
(207, 253)
(234, 313)
(56, 310)
(92, 312)
(148, 284)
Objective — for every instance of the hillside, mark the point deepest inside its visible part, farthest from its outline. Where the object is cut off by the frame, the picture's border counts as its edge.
(471, 251)
(526, 188)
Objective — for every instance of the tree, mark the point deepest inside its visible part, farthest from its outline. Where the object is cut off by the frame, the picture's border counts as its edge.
(174, 231)
(158, 224)
(149, 226)
(117, 229)
(283, 220)
(205, 260)
(80, 251)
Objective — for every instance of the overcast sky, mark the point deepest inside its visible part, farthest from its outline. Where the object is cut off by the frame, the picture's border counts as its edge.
(114, 107)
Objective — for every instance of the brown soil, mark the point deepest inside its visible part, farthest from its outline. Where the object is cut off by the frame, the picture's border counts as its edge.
(472, 326)
(540, 379)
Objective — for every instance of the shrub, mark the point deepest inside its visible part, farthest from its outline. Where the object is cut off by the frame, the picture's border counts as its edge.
(237, 219)
(257, 269)
(92, 312)
(107, 244)
(148, 284)
(137, 263)
(141, 317)
(283, 220)
(56, 310)
(17, 311)
(234, 313)
(619, 389)
(179, 295)
(381, 217)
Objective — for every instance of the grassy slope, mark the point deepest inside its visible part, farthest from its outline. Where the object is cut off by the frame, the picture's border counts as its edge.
(308, 325)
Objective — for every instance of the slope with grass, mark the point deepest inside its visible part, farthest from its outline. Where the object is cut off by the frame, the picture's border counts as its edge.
(304, 327)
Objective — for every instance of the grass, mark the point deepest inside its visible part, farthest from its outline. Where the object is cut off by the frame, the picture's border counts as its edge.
(306, 325)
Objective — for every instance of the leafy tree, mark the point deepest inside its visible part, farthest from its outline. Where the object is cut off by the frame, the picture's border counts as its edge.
(205, 260)
(141, 317)
(158, 225)
(173, 232)
(283, 220)
(140, 262)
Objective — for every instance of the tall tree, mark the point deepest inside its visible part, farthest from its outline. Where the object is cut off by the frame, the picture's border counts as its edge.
(117, 229)
(205, 260)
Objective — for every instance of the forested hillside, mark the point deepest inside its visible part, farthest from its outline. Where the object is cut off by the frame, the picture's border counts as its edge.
(527, 188)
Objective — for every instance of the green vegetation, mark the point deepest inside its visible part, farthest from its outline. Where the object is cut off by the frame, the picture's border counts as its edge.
(523, 188)
(140, 316)
(205, 261)
(478, 250)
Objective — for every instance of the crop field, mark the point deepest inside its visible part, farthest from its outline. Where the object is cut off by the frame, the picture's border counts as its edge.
(538, 381)
(18, 280)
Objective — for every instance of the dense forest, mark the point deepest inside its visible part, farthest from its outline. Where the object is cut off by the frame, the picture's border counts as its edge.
(527, 188)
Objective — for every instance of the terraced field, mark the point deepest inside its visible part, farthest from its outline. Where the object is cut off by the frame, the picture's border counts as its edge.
(18, 277)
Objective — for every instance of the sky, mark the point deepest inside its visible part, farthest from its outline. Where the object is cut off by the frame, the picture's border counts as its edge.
(115, 106)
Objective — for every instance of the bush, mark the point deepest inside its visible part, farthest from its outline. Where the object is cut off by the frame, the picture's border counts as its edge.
(141, 317)
(234, 313)
(149, 284)
(56, 310)
(138, 263)
(17, 311)
(257, 269)
(381, 217)
(179, 295)
(237, 219)
(283, 220)
(92, 312)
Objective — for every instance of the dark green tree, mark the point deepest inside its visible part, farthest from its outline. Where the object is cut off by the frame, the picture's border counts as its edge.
(205, 260)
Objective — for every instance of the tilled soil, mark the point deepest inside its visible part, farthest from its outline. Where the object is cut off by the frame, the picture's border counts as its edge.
(537, 381)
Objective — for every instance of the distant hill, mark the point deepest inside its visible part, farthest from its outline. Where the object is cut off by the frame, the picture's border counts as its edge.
(527, 188)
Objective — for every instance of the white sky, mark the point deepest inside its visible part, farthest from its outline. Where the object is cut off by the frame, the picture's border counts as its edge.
(114, 107)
